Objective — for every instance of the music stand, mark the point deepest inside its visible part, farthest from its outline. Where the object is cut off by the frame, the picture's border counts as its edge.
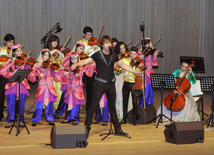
(207, 85)
(19, 76)
(163, 81)
(198, 63)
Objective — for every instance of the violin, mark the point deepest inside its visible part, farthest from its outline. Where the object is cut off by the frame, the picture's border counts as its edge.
(125, 55)
(75, 71)
(64, 50)
(136, 62)
(151, 51)
(93, 41)
(83, 56)
(21, 60)
(4, 58)
(48, 63)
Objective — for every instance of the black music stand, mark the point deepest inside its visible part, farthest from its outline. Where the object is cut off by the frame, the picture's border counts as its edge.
(198, 63)
(163, 81)
(19, 76)
(207, 85)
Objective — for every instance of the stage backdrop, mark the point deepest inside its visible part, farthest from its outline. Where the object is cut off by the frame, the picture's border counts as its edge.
(186, 26)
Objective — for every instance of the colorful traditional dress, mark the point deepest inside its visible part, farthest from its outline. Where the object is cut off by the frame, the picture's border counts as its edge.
(12, 90)
(74, 96)
(189, 112)
(57, 85)
(150, 61)
(46, 94)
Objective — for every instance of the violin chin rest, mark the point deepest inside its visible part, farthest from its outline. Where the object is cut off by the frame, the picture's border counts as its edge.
(138, 92)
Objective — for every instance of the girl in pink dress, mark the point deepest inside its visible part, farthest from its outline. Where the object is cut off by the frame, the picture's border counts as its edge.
(74, 96)
(12, 89)
(46, 94)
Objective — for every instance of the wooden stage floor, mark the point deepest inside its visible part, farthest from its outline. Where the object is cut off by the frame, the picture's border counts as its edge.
(146, 139)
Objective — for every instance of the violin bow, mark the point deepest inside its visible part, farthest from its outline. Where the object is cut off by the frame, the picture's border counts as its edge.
(137, 43)
(157, 41)
(66, 43)
(128, 43)
(26, 59)
(101, 31)
(23, 45)
(58, 53)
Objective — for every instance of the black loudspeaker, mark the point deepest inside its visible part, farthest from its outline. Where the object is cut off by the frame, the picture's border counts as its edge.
(184, 133)
(146, 116)
(68, 136)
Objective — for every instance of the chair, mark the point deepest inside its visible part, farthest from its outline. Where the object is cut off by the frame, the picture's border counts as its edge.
(198, 96)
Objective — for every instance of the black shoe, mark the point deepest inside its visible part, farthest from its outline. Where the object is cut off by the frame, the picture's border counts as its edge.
(135, 119)
(123, 121)
(51, 123)
(56, 116)
(121, 133)
(34, 124)
(96, 122)
(75, 123)
(8, 126)
(104, 124)
(66, 121)
(135, 123)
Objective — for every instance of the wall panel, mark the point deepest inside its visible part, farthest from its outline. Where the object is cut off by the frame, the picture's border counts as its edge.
(186, 26)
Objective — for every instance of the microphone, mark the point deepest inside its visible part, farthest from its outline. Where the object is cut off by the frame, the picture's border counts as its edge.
(142, 26)
(58, 29)
(110, 49)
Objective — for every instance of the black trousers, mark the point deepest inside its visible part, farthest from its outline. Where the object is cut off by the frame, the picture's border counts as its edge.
(127, 87)
(88, 83)
(3, 82)
(99, 89)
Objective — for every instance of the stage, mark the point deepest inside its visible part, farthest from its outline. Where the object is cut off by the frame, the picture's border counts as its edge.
(146, 139)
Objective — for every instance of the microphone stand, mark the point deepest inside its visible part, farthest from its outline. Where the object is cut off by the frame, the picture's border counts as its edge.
(142, 28)
(43, 40)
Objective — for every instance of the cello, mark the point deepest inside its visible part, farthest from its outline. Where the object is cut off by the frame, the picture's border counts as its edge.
(175, 101)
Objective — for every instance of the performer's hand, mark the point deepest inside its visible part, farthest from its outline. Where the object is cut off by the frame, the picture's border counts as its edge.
(41, 75)
(13, 59)
(190, 70)
(55, 51)
(77, 75)
(139, 72)
(93, 47)
(73, 67)
(66, 73)
(141, 65)
(156, 53)
(141, 56)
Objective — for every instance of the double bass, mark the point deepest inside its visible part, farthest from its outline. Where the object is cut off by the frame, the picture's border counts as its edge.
(175, 101)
